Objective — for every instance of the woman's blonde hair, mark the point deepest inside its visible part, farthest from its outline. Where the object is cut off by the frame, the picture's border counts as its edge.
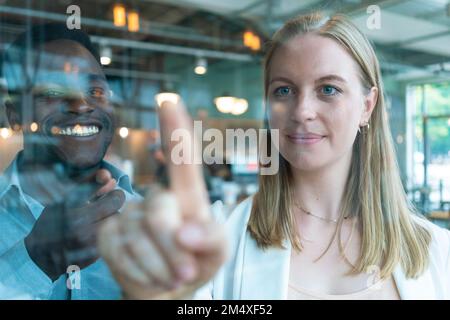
(374, 193)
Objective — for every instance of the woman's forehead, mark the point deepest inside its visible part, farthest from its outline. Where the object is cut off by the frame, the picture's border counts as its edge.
(313, 56)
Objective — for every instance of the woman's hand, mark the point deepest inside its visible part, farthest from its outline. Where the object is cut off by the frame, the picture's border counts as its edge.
(166, 246)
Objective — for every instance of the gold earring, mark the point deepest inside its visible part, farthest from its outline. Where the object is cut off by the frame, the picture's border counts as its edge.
(365, 125)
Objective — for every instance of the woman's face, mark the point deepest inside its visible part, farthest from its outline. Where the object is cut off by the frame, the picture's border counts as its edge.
(316, 100)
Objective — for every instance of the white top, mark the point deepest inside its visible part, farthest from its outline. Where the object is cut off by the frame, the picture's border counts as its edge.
(252, 273)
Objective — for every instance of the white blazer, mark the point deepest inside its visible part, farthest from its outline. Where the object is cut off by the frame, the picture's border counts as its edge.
(252, 273)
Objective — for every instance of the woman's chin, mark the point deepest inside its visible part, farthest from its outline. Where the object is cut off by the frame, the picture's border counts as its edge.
(306, 168)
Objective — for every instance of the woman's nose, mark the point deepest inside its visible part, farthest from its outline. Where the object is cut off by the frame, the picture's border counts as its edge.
(304, 110)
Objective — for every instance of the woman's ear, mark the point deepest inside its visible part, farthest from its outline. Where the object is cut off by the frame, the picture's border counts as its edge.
(370, 101)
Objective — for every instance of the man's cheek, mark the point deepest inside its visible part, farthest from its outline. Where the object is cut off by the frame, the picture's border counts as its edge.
(42, 112)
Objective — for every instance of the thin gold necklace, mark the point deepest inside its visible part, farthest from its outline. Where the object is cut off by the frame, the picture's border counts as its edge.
(318, 217)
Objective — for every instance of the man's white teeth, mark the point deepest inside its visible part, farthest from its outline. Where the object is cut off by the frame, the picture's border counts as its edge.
(78, 131)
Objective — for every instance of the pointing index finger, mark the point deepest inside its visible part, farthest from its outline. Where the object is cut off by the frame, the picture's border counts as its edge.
(186, 177)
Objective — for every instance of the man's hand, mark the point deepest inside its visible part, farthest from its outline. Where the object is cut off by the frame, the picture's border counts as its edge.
(167, 246)
(66, 232)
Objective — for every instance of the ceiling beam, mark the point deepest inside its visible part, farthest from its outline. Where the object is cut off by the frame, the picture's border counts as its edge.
(151, 46)
(147, 27)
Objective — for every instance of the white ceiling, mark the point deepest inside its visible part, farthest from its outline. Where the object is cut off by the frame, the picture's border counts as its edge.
(229, 6)
(400, 20)
(397, 29)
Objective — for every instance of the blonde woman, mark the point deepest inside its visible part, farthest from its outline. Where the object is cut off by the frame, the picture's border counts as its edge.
(333, 223)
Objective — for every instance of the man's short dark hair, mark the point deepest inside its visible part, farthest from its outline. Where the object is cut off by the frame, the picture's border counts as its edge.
(36, 36)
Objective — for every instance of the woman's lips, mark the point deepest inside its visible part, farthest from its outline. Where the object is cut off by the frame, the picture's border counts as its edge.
(305, 138)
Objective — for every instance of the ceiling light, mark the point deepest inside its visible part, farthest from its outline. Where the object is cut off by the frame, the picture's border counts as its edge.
(225, 104)
(201, 66)
(230, 104)
(34, 127)
(123, 132)
(105, 60)
(119, 14)
(133, 21)
(240, 106)
(252, 41)
(105, 55)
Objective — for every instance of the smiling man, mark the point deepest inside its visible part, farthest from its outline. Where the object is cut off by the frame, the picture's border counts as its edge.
(58, 190)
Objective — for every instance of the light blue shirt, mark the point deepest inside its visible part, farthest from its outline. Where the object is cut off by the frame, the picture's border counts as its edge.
(20, 277)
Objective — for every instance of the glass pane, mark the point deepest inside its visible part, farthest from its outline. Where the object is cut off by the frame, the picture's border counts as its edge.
(418, 151)
(437, 97)
(80, 134)
(439, 166)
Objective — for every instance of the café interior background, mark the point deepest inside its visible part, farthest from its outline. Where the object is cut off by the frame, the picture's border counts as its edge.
(205, 49)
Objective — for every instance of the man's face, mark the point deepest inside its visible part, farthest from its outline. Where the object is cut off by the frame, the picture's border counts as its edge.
(71, 105)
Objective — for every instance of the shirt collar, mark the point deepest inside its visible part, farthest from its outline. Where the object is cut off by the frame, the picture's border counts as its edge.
(10, 178)
(123, 180)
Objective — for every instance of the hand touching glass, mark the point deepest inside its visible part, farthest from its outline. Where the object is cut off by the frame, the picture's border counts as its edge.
(168, 245)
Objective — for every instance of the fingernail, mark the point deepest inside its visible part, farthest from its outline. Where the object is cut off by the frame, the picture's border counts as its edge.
(186, 272)
(191, 234)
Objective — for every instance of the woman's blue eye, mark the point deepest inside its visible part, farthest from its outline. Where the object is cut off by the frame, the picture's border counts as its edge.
(283, 91)
(329, 90)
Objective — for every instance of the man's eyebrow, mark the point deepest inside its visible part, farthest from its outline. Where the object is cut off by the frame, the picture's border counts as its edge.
(331, 77)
